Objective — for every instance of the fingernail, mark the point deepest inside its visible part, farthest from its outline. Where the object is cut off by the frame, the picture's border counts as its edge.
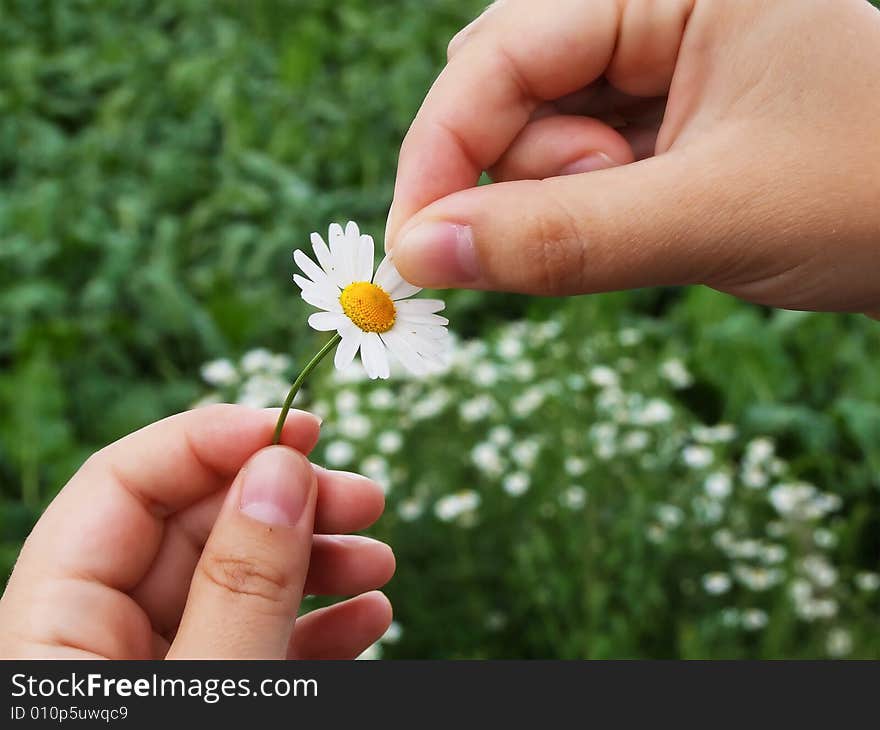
(589, 163)
(388, 223)
(273, 490)
(354, 476)
(444, 253)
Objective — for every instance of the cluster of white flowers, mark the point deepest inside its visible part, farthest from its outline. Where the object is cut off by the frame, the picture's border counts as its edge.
(258, 379)
(526, 421)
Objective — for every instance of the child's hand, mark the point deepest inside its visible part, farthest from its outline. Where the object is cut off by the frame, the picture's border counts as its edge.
(149, 552)
(764, 118)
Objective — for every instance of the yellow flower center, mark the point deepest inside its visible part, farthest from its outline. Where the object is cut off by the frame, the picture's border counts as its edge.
(368, 306)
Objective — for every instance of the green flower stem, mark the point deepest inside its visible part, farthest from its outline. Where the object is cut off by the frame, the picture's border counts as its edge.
(297, 384)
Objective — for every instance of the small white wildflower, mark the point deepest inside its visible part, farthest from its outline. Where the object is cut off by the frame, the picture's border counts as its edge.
(868, 581)
(527, 403)
(575, 466)
(636, 440)
(339, 453)
(575, 497)
(516, 484)
(487, 459)
(501, 436)
(718, 485)
(410, 509)
(485, 374)
(354, 426)
(824, 504)
(495, 621)
(719, 434)
(772, 554)
(757, 579)
(839, 643)
(654, 412)
(603, 376)
(525, 452)
(476, 409)
(801, 591)
(347, 401)
(723, 539)
(760, 450)
(576, 382)
(790, 500)
(523, 370)
(509, 348)
(676, 373)
(220, 373)
(697, 457)
(258, 360)
(381, 398)
(819, 571)
(262, 390)
(376, 468)
(824, 538)
(716, 584)
(656, 533)
(629, 336)
(603, 432)
(817, 609)
(745, 549)
(753, 619)
(453, 506)
(389, 442)
(754, 477)
(433, 405)
(669, 515)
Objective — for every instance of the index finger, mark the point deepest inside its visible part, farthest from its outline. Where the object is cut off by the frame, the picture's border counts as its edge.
(521, 56)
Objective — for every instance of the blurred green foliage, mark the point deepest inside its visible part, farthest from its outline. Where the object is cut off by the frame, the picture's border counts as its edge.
(160, 160)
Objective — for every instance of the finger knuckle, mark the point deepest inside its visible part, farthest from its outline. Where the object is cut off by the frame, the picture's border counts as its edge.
(556, 252)
(246, 577)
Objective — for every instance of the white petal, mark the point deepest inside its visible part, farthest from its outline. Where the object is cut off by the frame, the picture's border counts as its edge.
(344, 254)
(311, 269)
(425, 346)
(374, 356)
(429, 319)
(348, 347)
(326, 290)
(392, 282)
(427, 331)
(327, 321)
(326, 259)
(352, 232)
(336, 242)
(420, 306)
(403, 351)
(318, 297)
(364, 264)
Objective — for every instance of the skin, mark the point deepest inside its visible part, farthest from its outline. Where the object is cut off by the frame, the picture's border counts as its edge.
(632, 143)
(148, 551)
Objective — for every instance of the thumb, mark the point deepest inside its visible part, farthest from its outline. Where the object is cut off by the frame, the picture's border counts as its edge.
(643, 224)
(248, 584)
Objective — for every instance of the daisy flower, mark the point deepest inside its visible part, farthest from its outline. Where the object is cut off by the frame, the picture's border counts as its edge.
(373, 314)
